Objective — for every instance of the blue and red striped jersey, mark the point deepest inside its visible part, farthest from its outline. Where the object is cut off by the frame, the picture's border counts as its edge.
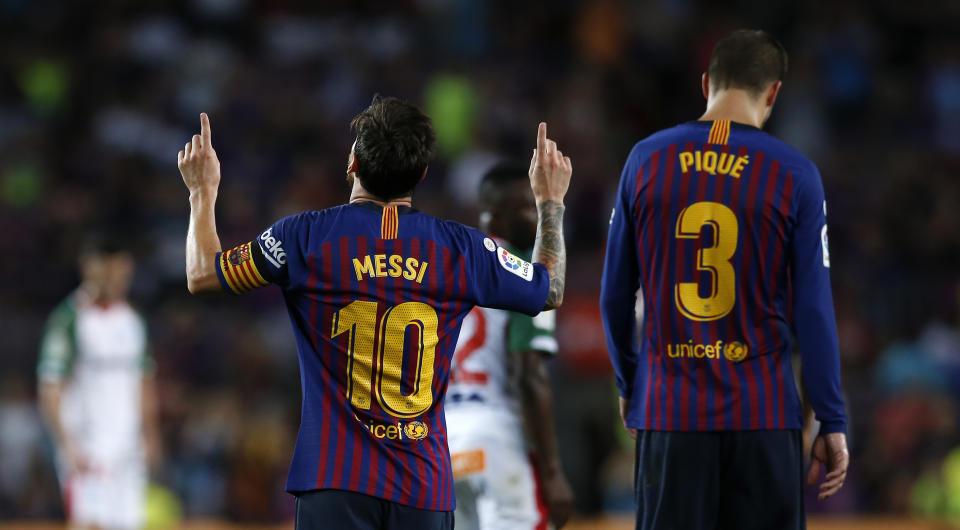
(376, 296)
(721, 230)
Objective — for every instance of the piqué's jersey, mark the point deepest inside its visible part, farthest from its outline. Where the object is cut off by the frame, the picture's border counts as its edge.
(101, 356)
(721, 229)
(486, 362)
(376, 296)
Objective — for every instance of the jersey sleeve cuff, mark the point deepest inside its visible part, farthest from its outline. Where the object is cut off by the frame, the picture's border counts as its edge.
(539, 300)
(827, 427)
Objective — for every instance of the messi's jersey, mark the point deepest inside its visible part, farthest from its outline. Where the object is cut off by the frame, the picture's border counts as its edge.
(376, 296)
(721, 229)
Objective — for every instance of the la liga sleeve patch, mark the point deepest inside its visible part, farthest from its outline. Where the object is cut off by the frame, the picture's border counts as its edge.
(514, 264)
(239, 270)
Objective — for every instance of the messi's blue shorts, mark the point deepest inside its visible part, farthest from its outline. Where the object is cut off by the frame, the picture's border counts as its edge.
(707, 480)
(338, 509)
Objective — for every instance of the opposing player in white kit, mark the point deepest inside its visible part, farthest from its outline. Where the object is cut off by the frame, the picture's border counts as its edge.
(499, 404)
(96, 393)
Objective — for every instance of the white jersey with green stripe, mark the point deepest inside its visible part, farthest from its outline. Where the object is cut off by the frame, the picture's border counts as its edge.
(484, 371)
(100, 354)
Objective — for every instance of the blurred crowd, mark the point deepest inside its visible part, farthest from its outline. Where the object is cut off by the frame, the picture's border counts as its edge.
(95, 102)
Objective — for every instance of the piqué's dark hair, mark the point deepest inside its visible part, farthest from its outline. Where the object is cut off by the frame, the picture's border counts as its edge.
(394, 146)
(493, 181)
(748, 59)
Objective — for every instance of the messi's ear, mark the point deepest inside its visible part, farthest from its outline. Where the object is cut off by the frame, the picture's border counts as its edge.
(352, 163)
(705, 85)
(424, 173)
(773, 92)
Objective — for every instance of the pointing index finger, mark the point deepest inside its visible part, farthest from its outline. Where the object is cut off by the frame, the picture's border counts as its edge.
(205, 128)
(542, 138)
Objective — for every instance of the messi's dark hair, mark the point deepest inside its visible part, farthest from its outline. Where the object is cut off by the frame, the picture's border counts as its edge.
(494, 180)
(748, 59)
(394, 146)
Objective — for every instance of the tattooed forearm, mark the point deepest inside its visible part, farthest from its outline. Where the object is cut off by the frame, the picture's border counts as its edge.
(550, 249)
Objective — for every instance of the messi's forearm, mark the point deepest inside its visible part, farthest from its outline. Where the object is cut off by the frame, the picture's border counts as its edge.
(203, 243)
(550, 249)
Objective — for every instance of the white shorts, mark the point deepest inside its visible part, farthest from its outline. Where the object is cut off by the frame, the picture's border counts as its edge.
(495, 482)
(111, 496)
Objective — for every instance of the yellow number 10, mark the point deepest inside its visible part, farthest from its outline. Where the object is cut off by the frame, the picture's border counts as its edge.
(714, 259)
(359, 321)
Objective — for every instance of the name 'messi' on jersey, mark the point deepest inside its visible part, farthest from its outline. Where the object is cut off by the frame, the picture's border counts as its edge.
(394, 265)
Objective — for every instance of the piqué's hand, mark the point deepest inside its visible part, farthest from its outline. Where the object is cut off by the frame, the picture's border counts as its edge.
(829, 452)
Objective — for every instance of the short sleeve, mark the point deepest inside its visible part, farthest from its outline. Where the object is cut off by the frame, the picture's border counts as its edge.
(498, 279)
(528, 333)
(58, 345)
(259, 262)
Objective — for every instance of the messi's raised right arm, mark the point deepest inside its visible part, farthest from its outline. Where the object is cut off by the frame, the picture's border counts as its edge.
(200, 170)
(550, 178)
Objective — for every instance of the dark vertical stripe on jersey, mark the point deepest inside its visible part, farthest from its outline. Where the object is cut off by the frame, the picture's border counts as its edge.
(700, 366)
(347, 285)
(778, 345)
(396, 298)
(415, 465)
(747, 272)
(385, 482)
(659, 290)
(654, 358)
(733, 418)
(336, 363)
(672, 260)
(642, 191)
(368, 467)
(782, 342)
(764, 298)
(313, 324)
(715, 419)
(449, 316)
(737, 327)
(682, 378)
(433, 492)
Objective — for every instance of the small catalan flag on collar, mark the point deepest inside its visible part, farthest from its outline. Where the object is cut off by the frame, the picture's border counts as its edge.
(719, 132)
(389, 223)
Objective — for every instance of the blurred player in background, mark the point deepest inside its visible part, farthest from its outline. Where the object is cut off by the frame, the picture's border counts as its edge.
(97, 392)
(376, 292)
(722, 230)
(500, 389)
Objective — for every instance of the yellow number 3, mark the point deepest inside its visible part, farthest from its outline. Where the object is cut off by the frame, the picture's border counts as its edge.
(714, 259)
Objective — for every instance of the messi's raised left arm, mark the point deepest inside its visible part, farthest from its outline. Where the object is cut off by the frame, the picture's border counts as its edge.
(200, 170)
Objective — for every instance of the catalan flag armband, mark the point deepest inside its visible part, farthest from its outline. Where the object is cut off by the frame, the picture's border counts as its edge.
(237, 270)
